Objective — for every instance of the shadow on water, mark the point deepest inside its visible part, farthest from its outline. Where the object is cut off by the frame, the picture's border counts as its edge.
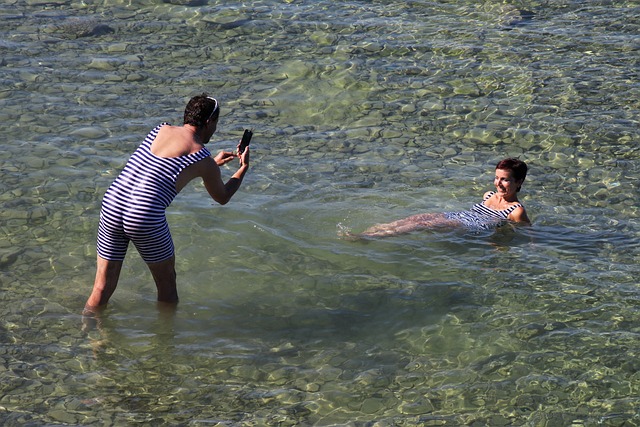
(353, 320)
(380, 285)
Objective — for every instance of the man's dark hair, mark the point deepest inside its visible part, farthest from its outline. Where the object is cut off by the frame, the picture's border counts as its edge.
(200, 109)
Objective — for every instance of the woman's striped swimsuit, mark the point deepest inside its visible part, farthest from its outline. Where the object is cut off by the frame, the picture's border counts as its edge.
(481, 217)
(133, 208)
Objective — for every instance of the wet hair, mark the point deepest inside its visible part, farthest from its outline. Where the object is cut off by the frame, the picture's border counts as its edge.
(517, 167)
(200, 109)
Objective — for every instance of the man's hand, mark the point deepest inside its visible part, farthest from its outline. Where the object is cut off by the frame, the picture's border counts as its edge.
(224, 157)
(244, 157)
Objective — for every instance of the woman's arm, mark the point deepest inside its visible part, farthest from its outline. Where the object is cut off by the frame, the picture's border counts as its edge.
(519, 215)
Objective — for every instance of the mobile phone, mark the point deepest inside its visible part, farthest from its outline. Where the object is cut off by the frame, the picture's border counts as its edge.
(246, 139)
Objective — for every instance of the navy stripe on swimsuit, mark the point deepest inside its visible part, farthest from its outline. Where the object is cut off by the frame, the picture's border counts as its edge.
(133, 208)
(482, 217)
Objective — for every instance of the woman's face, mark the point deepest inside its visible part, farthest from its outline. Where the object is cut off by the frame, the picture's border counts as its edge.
(505, 183)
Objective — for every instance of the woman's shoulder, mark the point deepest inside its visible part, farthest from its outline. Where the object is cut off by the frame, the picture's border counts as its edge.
(519, 214)
(487, 195)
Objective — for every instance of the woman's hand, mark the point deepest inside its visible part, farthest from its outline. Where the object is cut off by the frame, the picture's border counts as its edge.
(224, 157)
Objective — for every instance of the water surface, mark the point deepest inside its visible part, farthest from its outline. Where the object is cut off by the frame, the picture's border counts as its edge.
(364, 112)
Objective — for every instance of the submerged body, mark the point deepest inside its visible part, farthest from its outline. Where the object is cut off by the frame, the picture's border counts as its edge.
(497, 208)
(482, 217)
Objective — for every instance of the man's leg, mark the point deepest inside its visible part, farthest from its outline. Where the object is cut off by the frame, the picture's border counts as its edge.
(107, 275)
(164, 274)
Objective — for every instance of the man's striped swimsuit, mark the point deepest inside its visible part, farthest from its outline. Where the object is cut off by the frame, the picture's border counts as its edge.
(133, 208)
(481, 217)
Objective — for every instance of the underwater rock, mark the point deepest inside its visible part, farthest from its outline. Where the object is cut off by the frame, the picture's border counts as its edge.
(493, 363)
(77, 28)
(520, 17)
(509, 16)
(187, 2)
(516, 17)
(227, 25)
(100, 30)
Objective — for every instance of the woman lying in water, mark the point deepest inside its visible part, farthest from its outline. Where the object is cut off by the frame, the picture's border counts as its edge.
(497, 208)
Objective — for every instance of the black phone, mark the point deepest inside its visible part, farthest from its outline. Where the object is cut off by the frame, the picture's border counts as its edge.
(246, 139)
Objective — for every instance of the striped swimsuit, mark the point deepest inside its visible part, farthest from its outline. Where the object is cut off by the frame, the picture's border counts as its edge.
(481, 217)
(133, 208)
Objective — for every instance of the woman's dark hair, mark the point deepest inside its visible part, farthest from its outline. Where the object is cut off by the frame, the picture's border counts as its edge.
(200, 109)
(516, 166)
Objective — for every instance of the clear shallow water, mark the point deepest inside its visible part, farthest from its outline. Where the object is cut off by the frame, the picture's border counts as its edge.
(364, 112)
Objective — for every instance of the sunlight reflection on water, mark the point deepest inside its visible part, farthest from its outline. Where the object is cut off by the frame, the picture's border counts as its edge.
(364, 113)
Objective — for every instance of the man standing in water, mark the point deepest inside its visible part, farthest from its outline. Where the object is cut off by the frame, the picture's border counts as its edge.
(133, 208)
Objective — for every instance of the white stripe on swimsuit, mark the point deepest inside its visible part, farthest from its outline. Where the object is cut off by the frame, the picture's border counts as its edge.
(482, 217)
(133, 208)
